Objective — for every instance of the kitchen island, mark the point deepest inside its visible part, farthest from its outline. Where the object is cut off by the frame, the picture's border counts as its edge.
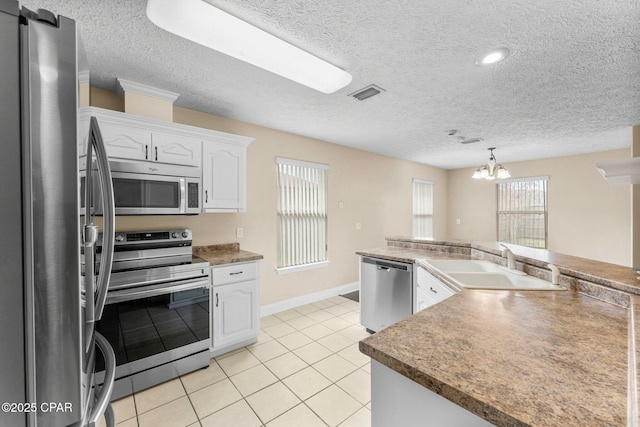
(534, 358)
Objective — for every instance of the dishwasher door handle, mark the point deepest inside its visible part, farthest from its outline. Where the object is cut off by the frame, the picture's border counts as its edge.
(384, 268)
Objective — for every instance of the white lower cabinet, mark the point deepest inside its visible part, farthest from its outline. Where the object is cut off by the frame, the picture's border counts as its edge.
(398, 401)
(235, 306)
(429, 290)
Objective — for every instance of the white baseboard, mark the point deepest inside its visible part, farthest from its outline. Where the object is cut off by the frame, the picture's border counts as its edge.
(277, 307)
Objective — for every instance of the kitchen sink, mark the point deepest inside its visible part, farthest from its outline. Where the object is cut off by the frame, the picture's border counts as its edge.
(460, 265)
(502, 281)
(477, 274)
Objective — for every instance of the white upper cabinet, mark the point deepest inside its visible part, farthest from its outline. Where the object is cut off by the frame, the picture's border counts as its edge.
(132, 137)
(224, 170)
(175, 148)
(126, 142)
(222, 156)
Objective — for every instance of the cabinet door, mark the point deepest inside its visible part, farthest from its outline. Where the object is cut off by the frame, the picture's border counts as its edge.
(422, 300)
(175, 149)
(126, 142)
(430, 290)
(223, 176)
(235, 313)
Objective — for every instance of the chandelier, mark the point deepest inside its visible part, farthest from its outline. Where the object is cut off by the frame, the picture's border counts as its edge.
(491, 170)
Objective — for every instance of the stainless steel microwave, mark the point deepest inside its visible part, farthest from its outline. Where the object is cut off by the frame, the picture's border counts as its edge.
(146, 188)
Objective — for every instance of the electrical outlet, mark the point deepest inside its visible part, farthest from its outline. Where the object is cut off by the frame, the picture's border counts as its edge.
(358, 226)
(340, 205)
(458, 221)
(239, 232)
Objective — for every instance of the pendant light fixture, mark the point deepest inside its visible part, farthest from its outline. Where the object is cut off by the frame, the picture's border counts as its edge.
(491, 170)
(203, 23)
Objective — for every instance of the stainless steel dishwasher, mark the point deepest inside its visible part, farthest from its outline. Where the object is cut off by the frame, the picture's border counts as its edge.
(386, 292)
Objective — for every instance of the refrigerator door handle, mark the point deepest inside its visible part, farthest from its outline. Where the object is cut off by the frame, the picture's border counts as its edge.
(89, 238)
(104, 395)
(109, 218)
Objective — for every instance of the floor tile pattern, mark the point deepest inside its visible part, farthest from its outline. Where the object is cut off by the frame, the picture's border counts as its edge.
(305, 370)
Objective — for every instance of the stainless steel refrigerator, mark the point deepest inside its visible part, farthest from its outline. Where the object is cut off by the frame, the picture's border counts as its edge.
(48, 345)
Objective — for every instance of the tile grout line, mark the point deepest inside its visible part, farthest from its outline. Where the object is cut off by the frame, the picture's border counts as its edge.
(351, 311)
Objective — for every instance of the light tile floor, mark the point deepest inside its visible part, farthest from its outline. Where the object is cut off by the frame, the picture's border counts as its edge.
(305, 370)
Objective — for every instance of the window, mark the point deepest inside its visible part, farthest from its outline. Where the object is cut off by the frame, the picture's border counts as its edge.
(422, 208)
(522, 211)
(302, 214)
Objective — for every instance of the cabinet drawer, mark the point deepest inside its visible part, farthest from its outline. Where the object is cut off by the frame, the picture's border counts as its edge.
(430, 286)
(233, 273)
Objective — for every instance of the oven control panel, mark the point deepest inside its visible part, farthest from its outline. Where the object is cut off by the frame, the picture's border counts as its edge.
(183, 237)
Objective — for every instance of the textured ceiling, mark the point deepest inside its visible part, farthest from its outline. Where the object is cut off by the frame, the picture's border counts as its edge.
(572, 84)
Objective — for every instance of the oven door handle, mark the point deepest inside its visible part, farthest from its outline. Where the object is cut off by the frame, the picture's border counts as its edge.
(155, 290)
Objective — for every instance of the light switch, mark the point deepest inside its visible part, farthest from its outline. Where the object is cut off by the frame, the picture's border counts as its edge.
(239, 232)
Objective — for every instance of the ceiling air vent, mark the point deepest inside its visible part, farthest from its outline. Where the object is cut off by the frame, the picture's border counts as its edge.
(367, 92)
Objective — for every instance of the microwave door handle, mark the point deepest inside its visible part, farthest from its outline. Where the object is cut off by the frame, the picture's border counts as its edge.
(109, 218)
(183, 195)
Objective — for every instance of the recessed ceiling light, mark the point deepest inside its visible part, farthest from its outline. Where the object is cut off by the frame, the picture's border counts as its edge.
(200, 22)
(493, 56)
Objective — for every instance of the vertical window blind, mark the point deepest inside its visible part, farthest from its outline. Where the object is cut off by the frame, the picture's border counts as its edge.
(302, 212)
(522, 211)
(422, 208)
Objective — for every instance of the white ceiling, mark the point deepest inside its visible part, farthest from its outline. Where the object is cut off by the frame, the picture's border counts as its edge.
(572, 84)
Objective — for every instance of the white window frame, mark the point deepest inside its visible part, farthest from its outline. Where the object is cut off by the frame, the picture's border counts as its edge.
(422, 209)
(302, 209)
(535, 204)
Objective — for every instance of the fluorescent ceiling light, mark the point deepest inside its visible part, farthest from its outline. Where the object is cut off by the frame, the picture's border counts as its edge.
(200, 22)
(493, 57)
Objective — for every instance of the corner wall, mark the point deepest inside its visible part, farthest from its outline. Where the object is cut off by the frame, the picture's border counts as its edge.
(587, 216)
(375, 191)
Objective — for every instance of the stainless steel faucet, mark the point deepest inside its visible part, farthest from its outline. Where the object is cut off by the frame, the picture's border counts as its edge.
(555, 274)
(511, 259)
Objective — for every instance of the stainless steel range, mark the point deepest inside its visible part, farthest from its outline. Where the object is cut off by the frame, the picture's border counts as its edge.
(157, 308)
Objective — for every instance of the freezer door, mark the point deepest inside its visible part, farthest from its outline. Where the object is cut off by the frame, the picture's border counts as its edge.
(52, 223)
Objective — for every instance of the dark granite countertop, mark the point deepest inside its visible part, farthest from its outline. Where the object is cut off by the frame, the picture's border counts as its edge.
(517, 358)
(521, 358)
(227, 253)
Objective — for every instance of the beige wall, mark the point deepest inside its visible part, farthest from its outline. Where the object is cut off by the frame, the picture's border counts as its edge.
(587, 216)
(374, 190)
